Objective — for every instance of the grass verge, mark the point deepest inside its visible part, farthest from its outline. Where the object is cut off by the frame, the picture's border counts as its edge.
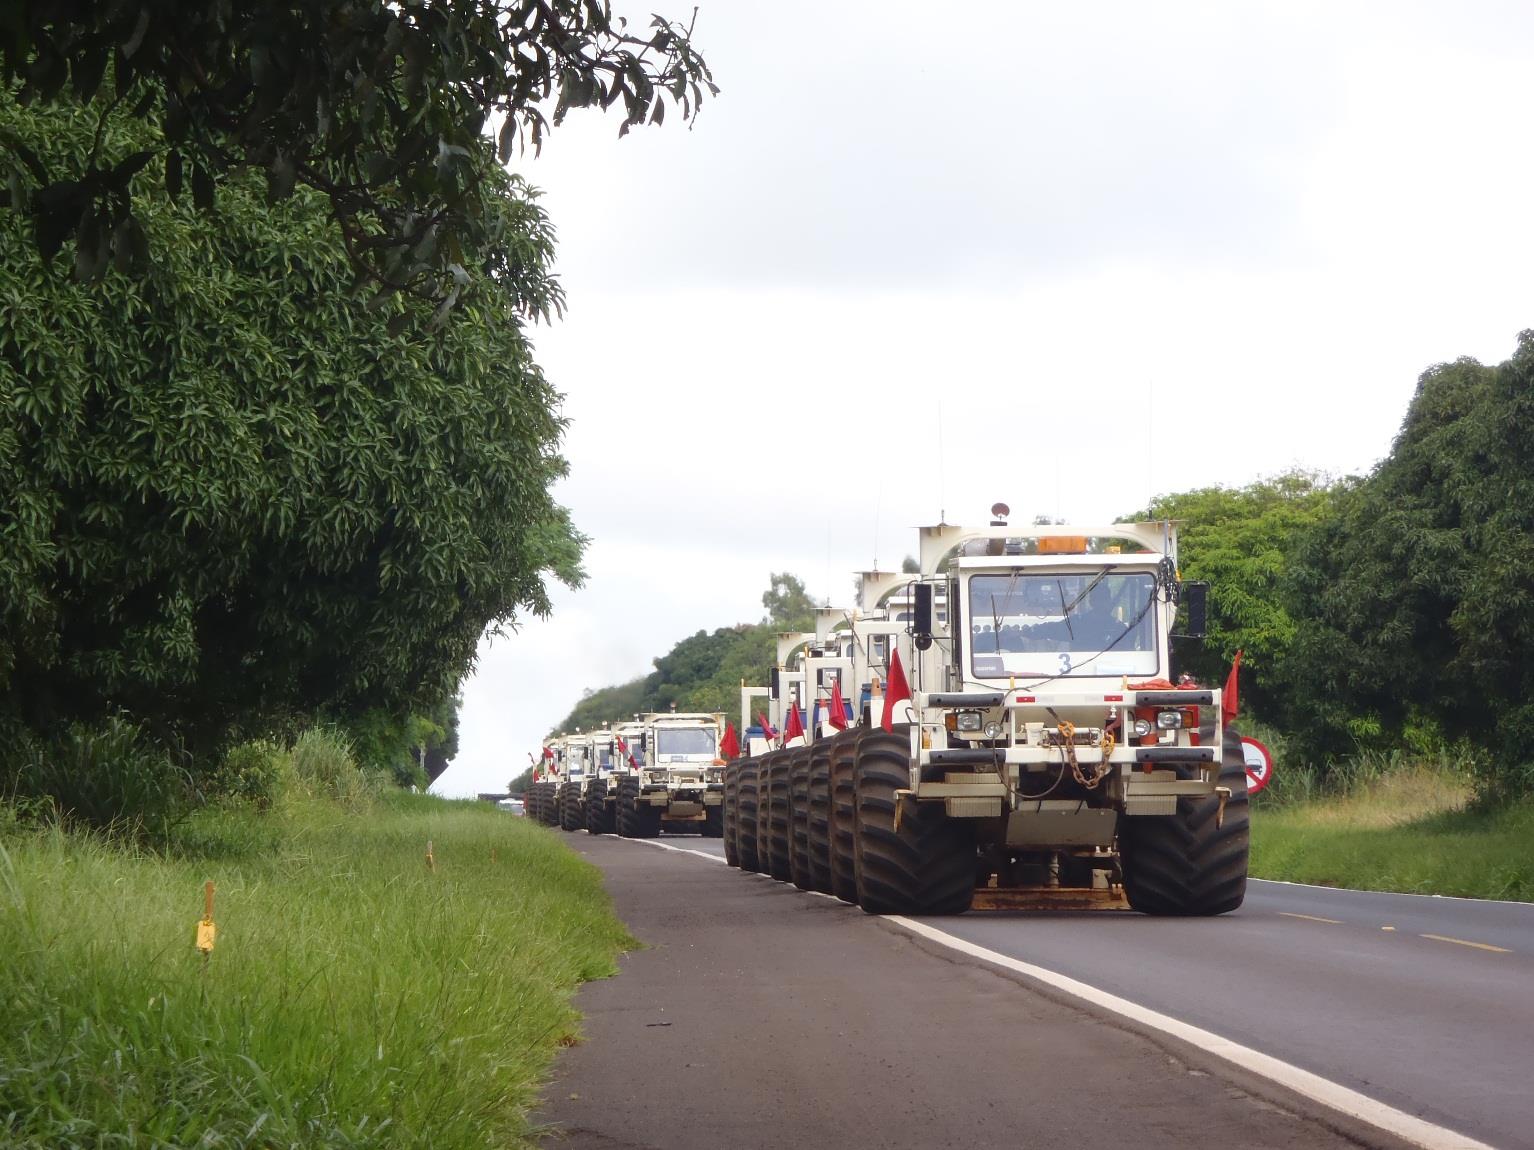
(354, 998)
(1394, 826)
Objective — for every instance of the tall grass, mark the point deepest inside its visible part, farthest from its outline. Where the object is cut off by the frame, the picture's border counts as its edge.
(1388, 821)
(354, 997)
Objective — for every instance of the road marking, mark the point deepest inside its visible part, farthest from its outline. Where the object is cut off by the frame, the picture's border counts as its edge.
(1311, 917)
(679, 850)
(1467, 942)
(1387, 928)
(1329, 1094)
(1391, 893)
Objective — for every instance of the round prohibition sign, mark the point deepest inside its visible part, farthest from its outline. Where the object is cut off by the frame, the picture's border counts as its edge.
(1259, 765)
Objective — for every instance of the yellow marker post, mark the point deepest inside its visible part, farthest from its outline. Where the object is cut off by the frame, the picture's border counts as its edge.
(207, 933)
(431, 860)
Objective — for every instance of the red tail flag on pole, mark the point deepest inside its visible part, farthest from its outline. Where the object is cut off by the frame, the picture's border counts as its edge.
(729, 746)
(897, 690)
(1230, 701)
(766, 726)
(838, 714)
(793, 726)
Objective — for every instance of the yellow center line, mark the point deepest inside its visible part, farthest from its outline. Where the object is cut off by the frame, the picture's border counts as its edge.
(1311, 918)
(1467, 942)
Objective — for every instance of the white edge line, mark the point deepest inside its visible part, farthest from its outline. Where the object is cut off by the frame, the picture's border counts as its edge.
(679, 850)
(1312, 1086)
(1332, 1095)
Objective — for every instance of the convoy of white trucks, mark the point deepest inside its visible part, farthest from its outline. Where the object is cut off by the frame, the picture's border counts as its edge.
(1004, 727)
(660, 771)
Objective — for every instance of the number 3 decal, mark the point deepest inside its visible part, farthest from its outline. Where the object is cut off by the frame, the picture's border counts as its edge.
(1065, 664)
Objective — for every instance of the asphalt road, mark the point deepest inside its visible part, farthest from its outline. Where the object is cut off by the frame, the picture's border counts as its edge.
(759, 1015)
(1423, 1003)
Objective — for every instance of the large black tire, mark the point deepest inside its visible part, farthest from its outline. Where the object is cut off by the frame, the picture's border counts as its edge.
(545, 803)
(926, 865)
(599, 814)
(550, 815)
(712, 826)
(844, 749)
(764, 813)
(731, 813)
(818, 834)
(778, 817)
(572, 813)
(747, 845)
(636, 820)
(1183, 864)
(799, 818)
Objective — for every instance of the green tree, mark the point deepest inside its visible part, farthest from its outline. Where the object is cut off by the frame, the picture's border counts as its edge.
(378, 108)
(1418, 595)
(1238, 541)
(412, 749)
(788, 604)
(231, 493)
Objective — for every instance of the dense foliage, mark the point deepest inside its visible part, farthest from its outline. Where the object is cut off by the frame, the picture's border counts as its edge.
(1237, 540)
(377, 108)
(1419, 590)
(231, 494)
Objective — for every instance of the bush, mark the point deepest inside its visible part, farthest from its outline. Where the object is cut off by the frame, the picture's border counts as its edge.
(323, 766)
(109, 775)
(257, 772)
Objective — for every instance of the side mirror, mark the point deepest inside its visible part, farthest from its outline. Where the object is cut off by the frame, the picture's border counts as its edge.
(1194, 597)
(921, 622)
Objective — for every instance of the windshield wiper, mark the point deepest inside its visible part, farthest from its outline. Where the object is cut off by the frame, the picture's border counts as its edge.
(1085, 591)
(1065, 611)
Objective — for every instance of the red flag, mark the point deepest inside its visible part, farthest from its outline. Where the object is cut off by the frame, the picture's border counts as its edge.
(1230, 701)
(897, 690)
(729, 746)
(838, 715)
(793, 726)
(623, 748)
(766, 726)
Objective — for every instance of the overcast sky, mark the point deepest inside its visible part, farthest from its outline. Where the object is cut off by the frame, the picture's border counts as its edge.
(1065, 256)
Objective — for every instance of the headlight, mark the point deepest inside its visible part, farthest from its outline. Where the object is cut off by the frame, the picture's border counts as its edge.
(714, 776)
(993, 730)
(1169, 720)
(969, 720)
(1141, 728)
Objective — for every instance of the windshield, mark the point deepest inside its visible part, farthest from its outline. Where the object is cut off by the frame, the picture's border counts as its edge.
(684, 741)
(1055, 625)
